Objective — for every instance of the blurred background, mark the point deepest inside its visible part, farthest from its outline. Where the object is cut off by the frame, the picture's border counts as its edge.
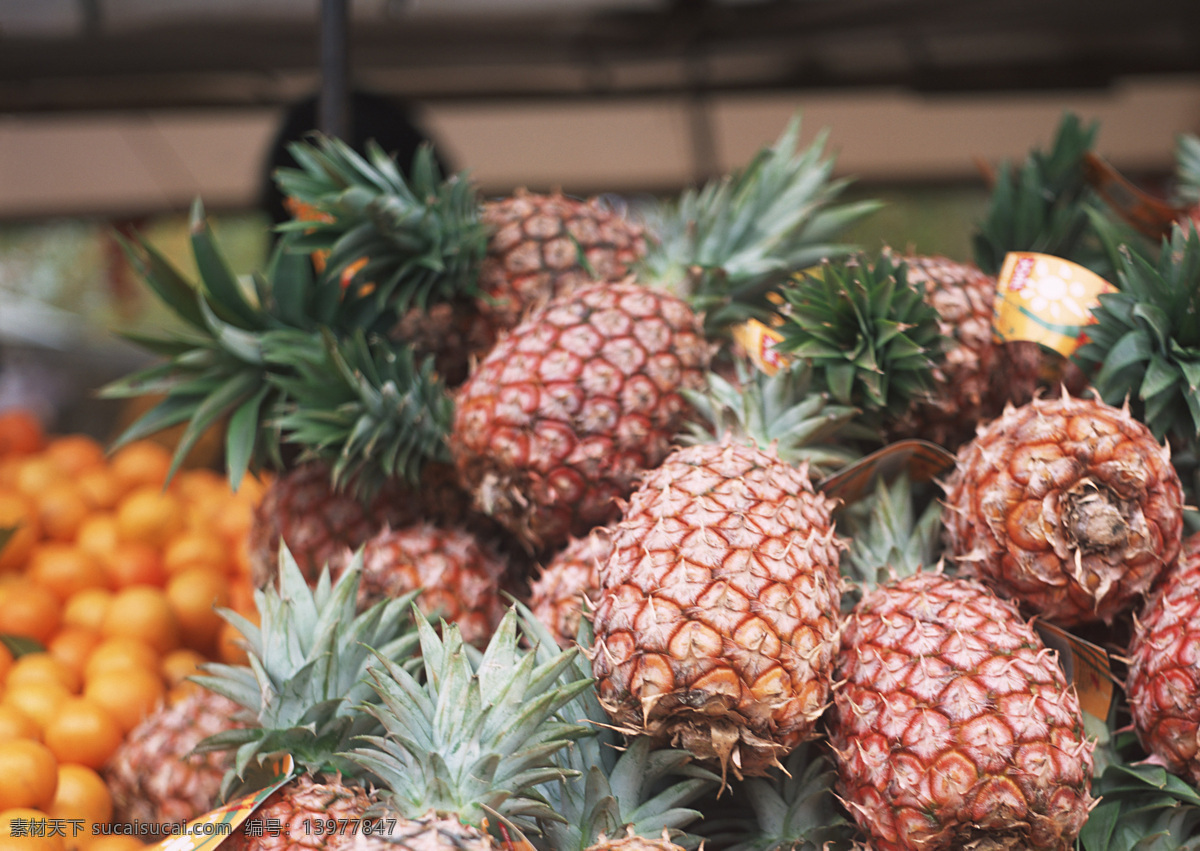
(116, 114)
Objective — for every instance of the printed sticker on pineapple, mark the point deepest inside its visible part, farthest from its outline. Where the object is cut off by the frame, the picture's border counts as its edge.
(1045, 299)
(211, 829)
(759, 342)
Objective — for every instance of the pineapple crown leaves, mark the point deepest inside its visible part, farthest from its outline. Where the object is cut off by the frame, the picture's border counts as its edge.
(610, 788)
(1044, 205)
(306, 676)
(1142, 807)
(1145, 343)
(794, 809)
(472, 739)
(891, 536)
(729, 243)
(871, 337)
(421, 235)
(782, 409)
(362, 404)
(1187, 167)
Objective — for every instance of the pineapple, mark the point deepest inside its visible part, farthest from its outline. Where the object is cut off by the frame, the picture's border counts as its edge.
(954, 726)
(443, 270)
(1069, 506)
(457, 575)
(305, 686)
(469, 742)
(718, 622)
(154, 778)
(559, 419)
(1163, 683)
(562, 415)
(1187, 172)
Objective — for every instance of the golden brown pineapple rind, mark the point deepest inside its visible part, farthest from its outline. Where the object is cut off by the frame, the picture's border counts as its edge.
(1067, 505)
(573, 574)
(564, 414)
(954, 725)
(542, 246)
(430, 833)
(717, 627)
(298, 807)
(1163, 682)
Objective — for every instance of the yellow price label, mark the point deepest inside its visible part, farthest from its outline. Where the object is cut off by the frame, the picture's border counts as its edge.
(1045, 299)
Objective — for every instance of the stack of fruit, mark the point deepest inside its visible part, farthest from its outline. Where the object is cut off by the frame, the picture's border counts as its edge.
(552, 399)
(108, 583)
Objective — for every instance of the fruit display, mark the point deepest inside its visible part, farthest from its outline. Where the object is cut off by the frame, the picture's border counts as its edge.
(559, 524)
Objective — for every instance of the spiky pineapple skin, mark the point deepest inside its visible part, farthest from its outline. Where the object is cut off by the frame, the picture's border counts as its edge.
(718, 622)
(979, 375)
(1067, 505)
(535, 249)
(154, 778)
(556, 596)
(318, 522)
(954, 724)
(564, 414)
(297, 808)
(460, 576)
(1163, 682)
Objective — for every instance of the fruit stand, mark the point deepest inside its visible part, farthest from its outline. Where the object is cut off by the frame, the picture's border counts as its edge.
(535, 520)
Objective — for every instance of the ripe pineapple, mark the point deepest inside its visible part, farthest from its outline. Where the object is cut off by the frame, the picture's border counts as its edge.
(154, 778)
(458, 576)
(1163, 683)
(718, 623)
(954, 726)
(305, 687)
(479, 266)
(467, 743)
(562, 415)
(1069, 506)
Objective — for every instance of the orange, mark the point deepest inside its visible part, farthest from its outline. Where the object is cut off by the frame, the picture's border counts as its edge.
(197, 484)
(142, 462)
(17, 511)
(81, 795)
(40, 668)
(134, 563)
(195, 549)
(28, 774)
(97, 534)
(193, 596)
(150, 514)
(83, 731)
(100, 487)
(17, 825)
(143, 612)
(62, 509)
(28, 609)
(180, 664)
(120, 654)
(85, 609)
(129, 695)
(35, 474)
(73, 645)
(6, 660)
(15, 724)
(74, 453)
(39, 701)
(21, 432)
(65, 569)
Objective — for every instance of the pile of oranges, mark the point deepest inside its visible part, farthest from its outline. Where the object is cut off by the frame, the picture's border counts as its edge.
(109, 588)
